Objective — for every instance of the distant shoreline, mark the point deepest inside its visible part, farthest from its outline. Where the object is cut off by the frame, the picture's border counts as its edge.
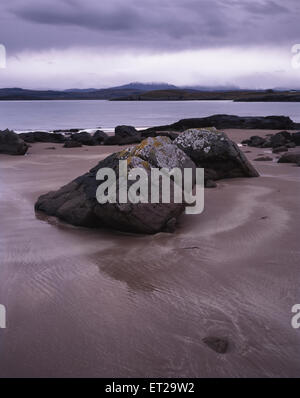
(124, 94)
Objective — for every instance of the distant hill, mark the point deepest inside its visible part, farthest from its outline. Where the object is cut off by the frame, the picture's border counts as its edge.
(15, 94)
(237, 96)
(147, 86)
(145, 92)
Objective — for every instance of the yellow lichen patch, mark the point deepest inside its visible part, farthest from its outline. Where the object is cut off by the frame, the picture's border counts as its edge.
(129, 160)
(124, 153)
(146, 164)
(157, 143)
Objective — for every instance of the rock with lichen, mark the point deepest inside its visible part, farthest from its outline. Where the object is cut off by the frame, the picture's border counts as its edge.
(76, 202)
(216, 153)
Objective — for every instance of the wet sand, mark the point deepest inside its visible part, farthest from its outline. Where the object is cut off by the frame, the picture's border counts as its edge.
(93, 303)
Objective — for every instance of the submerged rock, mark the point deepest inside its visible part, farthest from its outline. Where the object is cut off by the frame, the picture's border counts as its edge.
(76, 202)
(11, 143)
(217, 344)
(215, 152)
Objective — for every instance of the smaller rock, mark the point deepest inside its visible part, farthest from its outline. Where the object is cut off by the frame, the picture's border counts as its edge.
(291, 145)
(51, 148)
(217, 344)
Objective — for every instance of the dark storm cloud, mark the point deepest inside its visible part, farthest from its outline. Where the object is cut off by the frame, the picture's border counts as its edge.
(166, 25)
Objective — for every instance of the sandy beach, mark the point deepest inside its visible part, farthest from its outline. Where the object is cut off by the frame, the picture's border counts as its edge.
(94, 303)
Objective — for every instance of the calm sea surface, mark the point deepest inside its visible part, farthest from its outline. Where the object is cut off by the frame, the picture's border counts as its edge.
(49, 115)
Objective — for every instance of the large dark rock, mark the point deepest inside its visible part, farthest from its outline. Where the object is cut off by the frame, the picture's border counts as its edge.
(290, 158)
(126, 131)
(42, 136)
(230, 121)
(83, 138)
(99, 137)
(11, 143)
(76, 202)
(216, 153)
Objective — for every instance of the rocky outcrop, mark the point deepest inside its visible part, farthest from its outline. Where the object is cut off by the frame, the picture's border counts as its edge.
(278, 140)
(42, 136)
(12, 144)
(76, 202)
(230, 121)
(216, 153)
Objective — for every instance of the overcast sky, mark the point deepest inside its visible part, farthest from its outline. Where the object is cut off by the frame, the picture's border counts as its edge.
(101, 43)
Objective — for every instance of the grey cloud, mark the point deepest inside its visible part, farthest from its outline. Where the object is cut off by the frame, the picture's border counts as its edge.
(151, 25)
